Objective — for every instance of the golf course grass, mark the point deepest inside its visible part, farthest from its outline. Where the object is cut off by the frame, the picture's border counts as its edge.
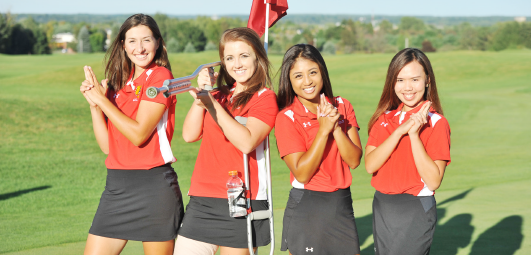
(52, 172)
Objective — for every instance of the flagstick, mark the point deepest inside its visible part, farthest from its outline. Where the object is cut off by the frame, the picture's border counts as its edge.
(266, 39)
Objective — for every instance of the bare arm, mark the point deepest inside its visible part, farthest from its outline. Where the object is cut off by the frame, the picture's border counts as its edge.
(349, 146)
(303, 165)
(135, 130)
(244, 138)
(430, 171)
(375, 157)
(99, 125)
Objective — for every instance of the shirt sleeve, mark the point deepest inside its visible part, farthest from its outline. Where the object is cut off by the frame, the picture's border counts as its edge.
(265, 108)
(156, 79)
(438, 145)
(373, 135)
(289, 137)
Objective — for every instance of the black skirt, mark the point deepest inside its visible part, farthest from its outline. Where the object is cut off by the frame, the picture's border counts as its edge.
(403, 224)
(207, 220)
(140, 205)
(320, 223)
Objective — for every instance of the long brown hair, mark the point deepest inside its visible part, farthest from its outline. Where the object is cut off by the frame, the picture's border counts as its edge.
(286, 94)
(119, 66)
(389, 100)
(259, 80)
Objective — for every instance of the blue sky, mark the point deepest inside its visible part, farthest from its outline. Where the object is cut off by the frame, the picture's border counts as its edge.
(224, 7)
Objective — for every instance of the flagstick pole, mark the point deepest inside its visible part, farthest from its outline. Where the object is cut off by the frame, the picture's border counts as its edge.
(266, 38)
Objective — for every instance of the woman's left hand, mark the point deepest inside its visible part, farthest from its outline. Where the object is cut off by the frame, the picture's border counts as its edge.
(96, 93)
(203, 99)
(420, 118)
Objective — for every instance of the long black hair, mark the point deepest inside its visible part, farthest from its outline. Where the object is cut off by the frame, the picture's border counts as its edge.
(285, 90)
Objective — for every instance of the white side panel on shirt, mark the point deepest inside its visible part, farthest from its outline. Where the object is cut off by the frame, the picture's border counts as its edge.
(262, 178)
(290, 115)
(434, 118)
(297, 184)
(425, 191)
(164, 143)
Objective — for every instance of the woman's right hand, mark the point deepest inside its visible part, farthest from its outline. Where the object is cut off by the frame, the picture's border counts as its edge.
(85, 86)
(327, 116)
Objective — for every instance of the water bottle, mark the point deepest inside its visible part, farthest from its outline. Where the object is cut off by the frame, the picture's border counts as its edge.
(236, 195)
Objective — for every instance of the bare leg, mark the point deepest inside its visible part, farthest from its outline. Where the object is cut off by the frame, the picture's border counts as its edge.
(187, 246)
(99, 245)
(235, 251)
(156, 248)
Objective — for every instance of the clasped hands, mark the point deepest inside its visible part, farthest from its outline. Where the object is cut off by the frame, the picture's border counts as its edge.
(416, 121)
(327, 115)
(92, 90)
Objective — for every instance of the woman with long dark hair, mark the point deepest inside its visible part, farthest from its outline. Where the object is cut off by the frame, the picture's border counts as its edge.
(242, 91)
(407, 152)
(142, 200)
(317, 137)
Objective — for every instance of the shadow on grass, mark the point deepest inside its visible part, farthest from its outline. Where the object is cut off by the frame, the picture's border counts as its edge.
(22, 192)
(503, 238)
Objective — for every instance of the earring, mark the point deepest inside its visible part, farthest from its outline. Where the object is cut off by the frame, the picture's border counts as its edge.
(427, 85)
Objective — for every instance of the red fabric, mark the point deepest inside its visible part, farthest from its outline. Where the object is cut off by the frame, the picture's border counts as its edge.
(277, 10)
(399, 173)
(217, 156)
(156, 151)
(295, 130)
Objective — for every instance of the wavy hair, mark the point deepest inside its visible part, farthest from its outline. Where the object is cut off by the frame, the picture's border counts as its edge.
(119, 66)
(259, 80)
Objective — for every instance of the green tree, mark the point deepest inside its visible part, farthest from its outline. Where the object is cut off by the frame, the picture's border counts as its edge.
(329, 48)
(172, 45)
(411, 26)
(211, 47)
(22, 40)
(41, 43)
(83, 41)
(189, 48)
(6, 27)
(97, 40)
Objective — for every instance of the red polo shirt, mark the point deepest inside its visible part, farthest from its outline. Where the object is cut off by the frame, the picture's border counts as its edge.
(156, 150)
(295, 130)
(217, 156)
(399, 173)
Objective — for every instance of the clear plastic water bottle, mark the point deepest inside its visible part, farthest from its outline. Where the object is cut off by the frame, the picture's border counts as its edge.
(236, 195)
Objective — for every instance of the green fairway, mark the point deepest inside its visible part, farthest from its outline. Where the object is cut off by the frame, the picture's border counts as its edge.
(52, 172)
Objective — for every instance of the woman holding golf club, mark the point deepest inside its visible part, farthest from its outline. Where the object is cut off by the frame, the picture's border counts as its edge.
(317, 137)
(243, 90)
(142, 200)
(407, 152)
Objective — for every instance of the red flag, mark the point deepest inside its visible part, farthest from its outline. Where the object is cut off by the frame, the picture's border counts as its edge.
(277, 10)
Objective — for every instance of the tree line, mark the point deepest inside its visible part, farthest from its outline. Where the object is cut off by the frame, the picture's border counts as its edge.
(202, 33)
(24, 37)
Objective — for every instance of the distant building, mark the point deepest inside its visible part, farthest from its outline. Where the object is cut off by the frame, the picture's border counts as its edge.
(62, 39)
(520, 19)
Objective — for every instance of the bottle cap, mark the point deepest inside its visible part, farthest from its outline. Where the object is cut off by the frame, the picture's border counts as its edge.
(233, 173)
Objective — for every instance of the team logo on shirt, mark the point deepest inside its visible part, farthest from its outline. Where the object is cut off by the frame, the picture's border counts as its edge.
(304, 123)
(137, 91)
(384, 124)
(116, 95)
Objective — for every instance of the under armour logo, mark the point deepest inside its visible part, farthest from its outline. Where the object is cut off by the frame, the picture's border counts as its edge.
(384, 124)
(116, 95)
(309, 249)
(304, 123)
